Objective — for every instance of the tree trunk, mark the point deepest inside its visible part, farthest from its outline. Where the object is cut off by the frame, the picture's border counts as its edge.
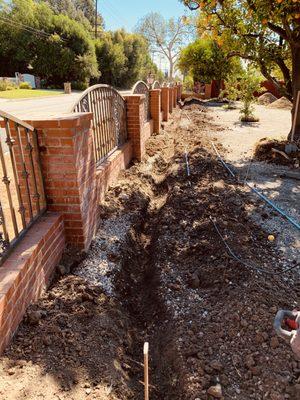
(296, 87)
(171, 71)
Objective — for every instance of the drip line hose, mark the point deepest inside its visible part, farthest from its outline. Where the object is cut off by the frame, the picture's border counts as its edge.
(246, 264)
(263, 197)
(188, 171)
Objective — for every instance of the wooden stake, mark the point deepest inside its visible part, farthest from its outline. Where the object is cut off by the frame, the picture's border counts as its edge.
(295, 116)
(146, 370)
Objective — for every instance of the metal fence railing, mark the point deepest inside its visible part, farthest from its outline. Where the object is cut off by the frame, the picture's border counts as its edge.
(22, 196)
(109, 118)
(142, 88)
(155, 85)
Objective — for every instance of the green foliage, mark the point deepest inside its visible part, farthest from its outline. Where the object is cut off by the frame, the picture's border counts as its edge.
(56, 44)
(82, 11)
(188, 83)
(64, 51)
(4, 84)
(264, 32)
(25, 85)
(205, 60)
(249, 84)
(124, 59)
(231, 91)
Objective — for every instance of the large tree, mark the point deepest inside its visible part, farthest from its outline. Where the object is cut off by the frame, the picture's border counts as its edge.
(82, 11)
(124, 58)
(165, 37)
(205, 60)
(266, 32)
(34, 39)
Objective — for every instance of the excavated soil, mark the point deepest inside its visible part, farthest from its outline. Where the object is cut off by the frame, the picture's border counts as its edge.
(282, 103)
(158, 271)
(266, 98)
(273, 151)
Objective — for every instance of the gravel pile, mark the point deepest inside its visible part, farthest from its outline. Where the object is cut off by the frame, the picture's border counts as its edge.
(282, 103)
(266, 98)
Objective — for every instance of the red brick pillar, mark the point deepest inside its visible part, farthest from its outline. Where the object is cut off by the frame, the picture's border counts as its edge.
(208, 90)
(135, 104)
(175, 96)
(155, 107)
(178, 91)
(171, 100)
(165, 102)
(69, 171)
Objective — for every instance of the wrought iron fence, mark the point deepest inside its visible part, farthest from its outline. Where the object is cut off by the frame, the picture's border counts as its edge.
(155, 85)
(22, 196)
(141, 88)
(109, 118)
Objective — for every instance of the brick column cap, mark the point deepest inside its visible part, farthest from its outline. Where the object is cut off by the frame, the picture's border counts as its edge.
(135, 98)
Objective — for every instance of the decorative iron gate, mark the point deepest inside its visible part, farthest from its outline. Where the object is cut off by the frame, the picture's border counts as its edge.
(22, 196)
(141, 88)
(109, 118)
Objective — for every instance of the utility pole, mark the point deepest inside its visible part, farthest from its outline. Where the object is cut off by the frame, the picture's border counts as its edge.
(96, 19)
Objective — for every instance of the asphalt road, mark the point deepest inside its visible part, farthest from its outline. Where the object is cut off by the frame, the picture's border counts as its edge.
(27, 108)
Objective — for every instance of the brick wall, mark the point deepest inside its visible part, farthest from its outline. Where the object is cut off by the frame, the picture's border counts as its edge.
(171, 99)
(74, 186)
(69, 171)
(174, 96)
(26, 272)
(138, 129)
(155, 108)
(165, 103)
(109, 170)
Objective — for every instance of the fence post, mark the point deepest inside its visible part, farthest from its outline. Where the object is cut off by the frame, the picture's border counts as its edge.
(155, 107)
(135, 104)
(179, 86)
(174, 96)
(208, 90)
(165, 103)
(171, 100)
(69, 170)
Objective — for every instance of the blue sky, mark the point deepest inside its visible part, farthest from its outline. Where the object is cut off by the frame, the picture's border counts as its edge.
(126, 13)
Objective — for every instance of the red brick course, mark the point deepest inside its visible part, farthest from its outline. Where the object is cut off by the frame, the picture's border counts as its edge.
(69, 172)
(165, 103)
(26, 272)
(171, 99)
(138, 129)
(155, 108)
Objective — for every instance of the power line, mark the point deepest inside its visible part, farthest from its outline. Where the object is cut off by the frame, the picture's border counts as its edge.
(116, 12)
(117, 19)
(27, 28)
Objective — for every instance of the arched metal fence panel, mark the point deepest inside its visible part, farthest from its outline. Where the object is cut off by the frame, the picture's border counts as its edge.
(156, 85)
(109, 118)
(22, 196)
(141, 88)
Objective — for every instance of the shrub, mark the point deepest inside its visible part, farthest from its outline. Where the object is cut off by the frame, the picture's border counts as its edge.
(79, 85)
(248, 86)
(25, 85)
(3, 85)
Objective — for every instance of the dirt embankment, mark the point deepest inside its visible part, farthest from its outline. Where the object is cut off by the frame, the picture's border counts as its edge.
(165, 277)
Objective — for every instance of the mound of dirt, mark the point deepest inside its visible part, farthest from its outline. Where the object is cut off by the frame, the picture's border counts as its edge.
(266, 98)
(273, 151)
(194, 104)
(283, 103)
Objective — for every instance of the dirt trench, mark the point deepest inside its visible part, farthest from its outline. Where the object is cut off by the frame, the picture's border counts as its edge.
(158, 271)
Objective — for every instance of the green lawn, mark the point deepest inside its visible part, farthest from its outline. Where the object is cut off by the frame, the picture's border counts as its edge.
(28, 93)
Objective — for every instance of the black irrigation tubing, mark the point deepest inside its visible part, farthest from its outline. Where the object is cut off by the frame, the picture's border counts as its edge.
(230, 251)
(237, 258)
(263, 197)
